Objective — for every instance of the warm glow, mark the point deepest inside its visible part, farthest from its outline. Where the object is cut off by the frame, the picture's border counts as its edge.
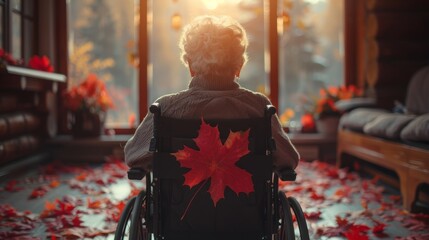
(176, 21)
(212, 4)
(314, 1)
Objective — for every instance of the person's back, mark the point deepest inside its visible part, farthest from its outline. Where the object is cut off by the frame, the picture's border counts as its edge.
(214, 49)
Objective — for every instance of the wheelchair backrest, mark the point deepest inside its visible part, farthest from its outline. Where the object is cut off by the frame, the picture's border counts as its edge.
(191, 212)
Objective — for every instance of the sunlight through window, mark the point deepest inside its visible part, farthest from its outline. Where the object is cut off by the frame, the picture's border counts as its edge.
(166, 72)
(103, 41)
(311, 53)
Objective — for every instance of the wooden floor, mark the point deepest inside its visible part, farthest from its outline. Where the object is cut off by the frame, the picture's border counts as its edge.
(54, 201)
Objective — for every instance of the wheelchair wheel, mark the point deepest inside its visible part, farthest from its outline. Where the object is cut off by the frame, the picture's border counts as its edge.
(121, 229)
(300, 218)
(139, 229)
(286, 227)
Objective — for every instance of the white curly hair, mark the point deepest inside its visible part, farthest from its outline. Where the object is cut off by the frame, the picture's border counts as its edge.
(214, 46)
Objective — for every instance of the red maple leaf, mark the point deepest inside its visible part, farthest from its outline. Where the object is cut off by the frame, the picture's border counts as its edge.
(39, 192)
(355, 234)
(379, 228)
(312, 215)
(11, 186)
(216, 161)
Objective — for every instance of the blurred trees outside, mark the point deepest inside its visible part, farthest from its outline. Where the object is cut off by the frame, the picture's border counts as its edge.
(99, 36)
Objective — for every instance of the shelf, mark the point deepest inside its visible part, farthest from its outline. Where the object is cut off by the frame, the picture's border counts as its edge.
(26, 72)
(19, 78)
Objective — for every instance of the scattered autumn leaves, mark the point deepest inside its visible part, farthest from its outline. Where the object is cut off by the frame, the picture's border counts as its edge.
(65, 217)
(320, 185)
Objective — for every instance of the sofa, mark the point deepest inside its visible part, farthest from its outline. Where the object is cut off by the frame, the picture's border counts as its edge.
(395, 140)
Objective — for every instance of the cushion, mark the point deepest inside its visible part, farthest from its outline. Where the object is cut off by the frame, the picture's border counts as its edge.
(346, 105)
(357, 118)
(417, 101)
(417, 130)
(388, 125)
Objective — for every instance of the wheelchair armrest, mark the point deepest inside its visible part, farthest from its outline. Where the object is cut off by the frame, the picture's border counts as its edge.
(136, 174)
(286, 174)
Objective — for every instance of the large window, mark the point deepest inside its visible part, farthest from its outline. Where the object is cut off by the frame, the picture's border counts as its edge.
(311, 46)
(102, 41)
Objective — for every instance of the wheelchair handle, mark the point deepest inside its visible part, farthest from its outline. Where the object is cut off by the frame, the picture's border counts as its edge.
(155, 108)
(136, 174)
(286, 174)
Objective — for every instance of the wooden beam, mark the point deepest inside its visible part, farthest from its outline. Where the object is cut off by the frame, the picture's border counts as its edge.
(61, 53)
(143, 61)
(274, 53)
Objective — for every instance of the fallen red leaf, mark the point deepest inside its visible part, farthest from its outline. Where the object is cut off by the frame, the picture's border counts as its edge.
(54, 184)
(11, 186)
(39, 192)
(216, 161)
(379, 228)
(94, 204)
(71, 221)
(354, 234)
(316, 196)
(7, 211)
(341, 221)
(313, 215)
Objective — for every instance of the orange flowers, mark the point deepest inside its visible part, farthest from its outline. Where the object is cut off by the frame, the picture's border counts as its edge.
(326, 104)
(91, 95)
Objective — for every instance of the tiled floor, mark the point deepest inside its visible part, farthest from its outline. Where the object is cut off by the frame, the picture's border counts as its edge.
(84, 202)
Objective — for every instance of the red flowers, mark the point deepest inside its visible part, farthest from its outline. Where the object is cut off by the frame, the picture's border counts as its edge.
(7, 58)
(41, 63)
(36, 62)
(91, 94)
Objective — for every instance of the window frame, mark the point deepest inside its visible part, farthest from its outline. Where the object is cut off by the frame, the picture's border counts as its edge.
(7, 21)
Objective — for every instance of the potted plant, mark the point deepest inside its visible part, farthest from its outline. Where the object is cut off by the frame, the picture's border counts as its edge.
(326, 113)
(88, 103)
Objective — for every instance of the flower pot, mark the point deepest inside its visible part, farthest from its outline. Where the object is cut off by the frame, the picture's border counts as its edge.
(328, 125)
(88, 124)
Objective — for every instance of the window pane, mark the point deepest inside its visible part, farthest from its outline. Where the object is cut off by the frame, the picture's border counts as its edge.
(311, 51)
(28, 39)
(102, 40)
(166, 18)
(16, 36)
(16, 4)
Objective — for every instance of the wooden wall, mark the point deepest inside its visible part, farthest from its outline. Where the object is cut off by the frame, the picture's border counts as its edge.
(397, 45)
(27, 116)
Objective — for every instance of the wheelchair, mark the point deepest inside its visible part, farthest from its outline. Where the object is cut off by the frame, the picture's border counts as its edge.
(157, 212)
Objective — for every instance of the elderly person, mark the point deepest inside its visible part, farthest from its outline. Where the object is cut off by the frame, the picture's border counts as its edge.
(214, 50)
